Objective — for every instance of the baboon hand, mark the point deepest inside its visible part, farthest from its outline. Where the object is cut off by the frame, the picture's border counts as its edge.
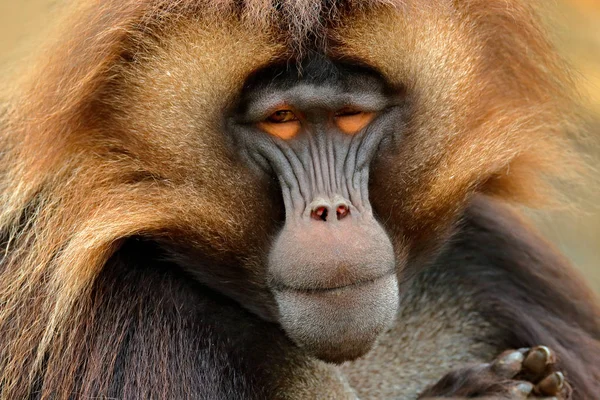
(514, 374)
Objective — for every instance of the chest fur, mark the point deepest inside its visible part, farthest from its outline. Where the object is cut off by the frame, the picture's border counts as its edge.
(433, 334)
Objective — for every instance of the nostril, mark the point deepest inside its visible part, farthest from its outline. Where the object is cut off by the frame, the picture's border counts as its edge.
(342, 211)
(329, 210)
(320, 213)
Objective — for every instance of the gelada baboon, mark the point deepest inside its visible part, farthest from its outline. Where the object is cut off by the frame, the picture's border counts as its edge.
(296, 199)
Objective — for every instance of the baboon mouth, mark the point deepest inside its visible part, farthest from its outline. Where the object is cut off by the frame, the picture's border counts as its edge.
(329, 287)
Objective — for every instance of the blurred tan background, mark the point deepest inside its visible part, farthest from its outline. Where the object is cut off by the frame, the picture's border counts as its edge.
(575, 25)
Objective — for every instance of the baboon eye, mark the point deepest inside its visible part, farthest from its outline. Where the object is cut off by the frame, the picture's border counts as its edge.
(351, 120)
(281, 116)
(282, 123)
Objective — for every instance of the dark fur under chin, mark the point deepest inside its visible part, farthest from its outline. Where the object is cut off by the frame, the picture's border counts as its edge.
(340, 324)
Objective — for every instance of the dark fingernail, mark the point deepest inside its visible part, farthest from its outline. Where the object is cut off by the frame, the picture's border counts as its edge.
(546, 351)
(511, 358)
(508, 364)
(560, 378)
(552, 384)
(537, 359)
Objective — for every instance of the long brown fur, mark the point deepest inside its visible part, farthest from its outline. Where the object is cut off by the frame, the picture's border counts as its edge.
(78, 177)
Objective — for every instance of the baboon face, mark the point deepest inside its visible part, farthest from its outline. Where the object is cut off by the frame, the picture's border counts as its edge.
(315, 130)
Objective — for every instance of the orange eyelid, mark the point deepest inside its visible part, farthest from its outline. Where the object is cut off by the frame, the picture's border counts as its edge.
(283, 130)
(354, 121)
(284, 126)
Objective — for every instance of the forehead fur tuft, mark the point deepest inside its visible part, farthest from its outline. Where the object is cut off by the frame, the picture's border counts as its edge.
(303, 23)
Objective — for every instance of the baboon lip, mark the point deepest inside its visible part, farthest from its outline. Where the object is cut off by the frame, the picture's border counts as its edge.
(282, 287)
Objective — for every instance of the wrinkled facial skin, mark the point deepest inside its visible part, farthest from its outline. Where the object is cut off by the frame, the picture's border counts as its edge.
(331, 268)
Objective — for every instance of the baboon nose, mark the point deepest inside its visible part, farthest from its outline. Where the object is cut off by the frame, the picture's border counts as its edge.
(328, 212)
